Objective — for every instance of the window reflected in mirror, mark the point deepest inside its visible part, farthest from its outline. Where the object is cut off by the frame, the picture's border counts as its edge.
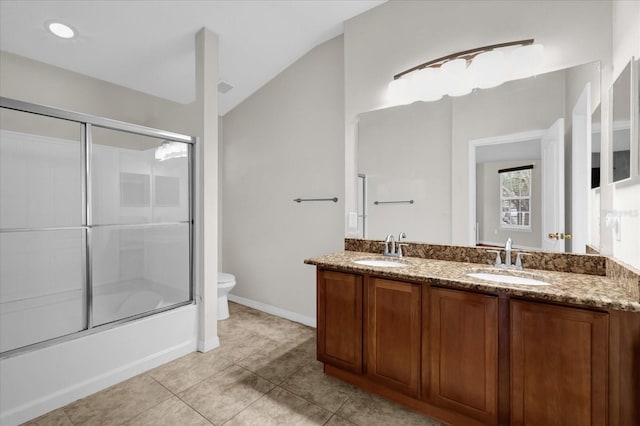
(515, 197)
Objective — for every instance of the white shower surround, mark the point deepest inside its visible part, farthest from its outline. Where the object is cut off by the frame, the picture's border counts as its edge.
(37, 382)
(42, 379)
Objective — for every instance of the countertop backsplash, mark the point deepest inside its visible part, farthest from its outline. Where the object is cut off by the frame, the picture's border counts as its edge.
(546, 261)
(624, 276)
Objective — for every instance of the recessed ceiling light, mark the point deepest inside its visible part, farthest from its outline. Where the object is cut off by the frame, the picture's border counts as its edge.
(61, 30)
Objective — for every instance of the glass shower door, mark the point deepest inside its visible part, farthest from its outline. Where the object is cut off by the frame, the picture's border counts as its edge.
(42, 232)
(140, 233)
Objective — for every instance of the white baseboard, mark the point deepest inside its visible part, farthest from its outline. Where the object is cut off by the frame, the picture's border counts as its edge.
(206, 346)
(274, 310)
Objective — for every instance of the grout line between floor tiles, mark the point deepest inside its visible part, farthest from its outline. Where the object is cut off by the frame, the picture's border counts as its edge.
(153, 406)
(253, 372)
(313, 402)
(185, 402)
(196, 410)
(245, 408)
(328, 420)
(343, 404)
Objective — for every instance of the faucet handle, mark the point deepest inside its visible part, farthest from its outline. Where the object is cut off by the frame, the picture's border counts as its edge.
(498, 261)
(519, 259)
(399, 248)
(386, 246)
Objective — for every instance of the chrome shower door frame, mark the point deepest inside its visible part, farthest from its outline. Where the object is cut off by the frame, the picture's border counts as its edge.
(87, 122)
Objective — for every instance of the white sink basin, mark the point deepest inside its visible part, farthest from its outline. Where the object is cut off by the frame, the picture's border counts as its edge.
(507, 279)
(378, 262)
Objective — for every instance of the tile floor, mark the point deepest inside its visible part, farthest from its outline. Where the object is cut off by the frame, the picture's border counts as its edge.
(264, 373)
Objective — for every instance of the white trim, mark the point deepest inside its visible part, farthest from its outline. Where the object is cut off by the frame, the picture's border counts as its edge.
(274, 310)
(206, 346)
(475, 143)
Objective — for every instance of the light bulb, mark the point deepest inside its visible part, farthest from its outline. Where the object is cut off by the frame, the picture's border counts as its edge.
(457, 80)
(489, 69)
(527, 60)
(426, 85)
(398, 92)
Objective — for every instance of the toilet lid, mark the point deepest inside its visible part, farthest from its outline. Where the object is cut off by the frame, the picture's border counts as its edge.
(223, 277)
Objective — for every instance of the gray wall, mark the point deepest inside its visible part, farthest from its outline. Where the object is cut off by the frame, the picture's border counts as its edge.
(284, 142)
(405, 152)
(32, 81)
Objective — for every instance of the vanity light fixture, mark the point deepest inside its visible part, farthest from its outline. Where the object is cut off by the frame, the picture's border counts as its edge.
(61, 30)
(459, 73)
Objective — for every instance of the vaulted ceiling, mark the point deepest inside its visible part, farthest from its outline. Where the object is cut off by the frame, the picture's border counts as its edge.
(149, 45)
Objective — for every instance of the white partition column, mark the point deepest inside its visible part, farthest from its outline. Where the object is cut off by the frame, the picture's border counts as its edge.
(207, 189)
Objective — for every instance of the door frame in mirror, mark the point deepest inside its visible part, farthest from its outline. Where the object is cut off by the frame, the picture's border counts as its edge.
(634, 148)
(473, 145)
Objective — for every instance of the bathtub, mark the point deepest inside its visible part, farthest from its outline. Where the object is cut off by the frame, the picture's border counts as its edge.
(36, 319)
(37, 381)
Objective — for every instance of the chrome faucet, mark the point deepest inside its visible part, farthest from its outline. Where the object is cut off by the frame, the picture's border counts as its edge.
(401, 236)
(390, 245)
(507, 257)
(391, 248)
(507, 252)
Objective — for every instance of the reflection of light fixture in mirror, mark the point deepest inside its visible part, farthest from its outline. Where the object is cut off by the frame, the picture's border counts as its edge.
(169, 150)
(456, 77)
(459, 73)
(527, 60)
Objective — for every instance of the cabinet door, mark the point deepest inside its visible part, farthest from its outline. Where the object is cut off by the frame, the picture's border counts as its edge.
(339, 310)
(393, 334)
(464, 353)
(558, 365)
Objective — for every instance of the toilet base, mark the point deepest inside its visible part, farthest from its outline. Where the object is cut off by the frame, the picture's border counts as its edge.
(223, 308)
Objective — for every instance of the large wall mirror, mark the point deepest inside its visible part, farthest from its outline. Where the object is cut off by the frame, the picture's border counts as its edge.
(518, 156)
(621, 126)
(636, 92)
(594, 195)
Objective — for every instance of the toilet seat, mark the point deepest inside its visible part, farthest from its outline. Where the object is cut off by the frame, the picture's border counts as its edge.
(224, 278)
(225, 283)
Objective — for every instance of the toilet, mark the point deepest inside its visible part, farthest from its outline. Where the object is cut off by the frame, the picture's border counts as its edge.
(225, 283)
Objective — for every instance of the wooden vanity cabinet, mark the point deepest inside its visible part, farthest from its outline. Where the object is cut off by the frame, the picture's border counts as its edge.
(339, 315)
(469, 358)
(559, 365)
(393, 329)
(464, 353)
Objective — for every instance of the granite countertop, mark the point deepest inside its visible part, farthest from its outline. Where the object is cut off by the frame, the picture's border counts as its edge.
(577, 289)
